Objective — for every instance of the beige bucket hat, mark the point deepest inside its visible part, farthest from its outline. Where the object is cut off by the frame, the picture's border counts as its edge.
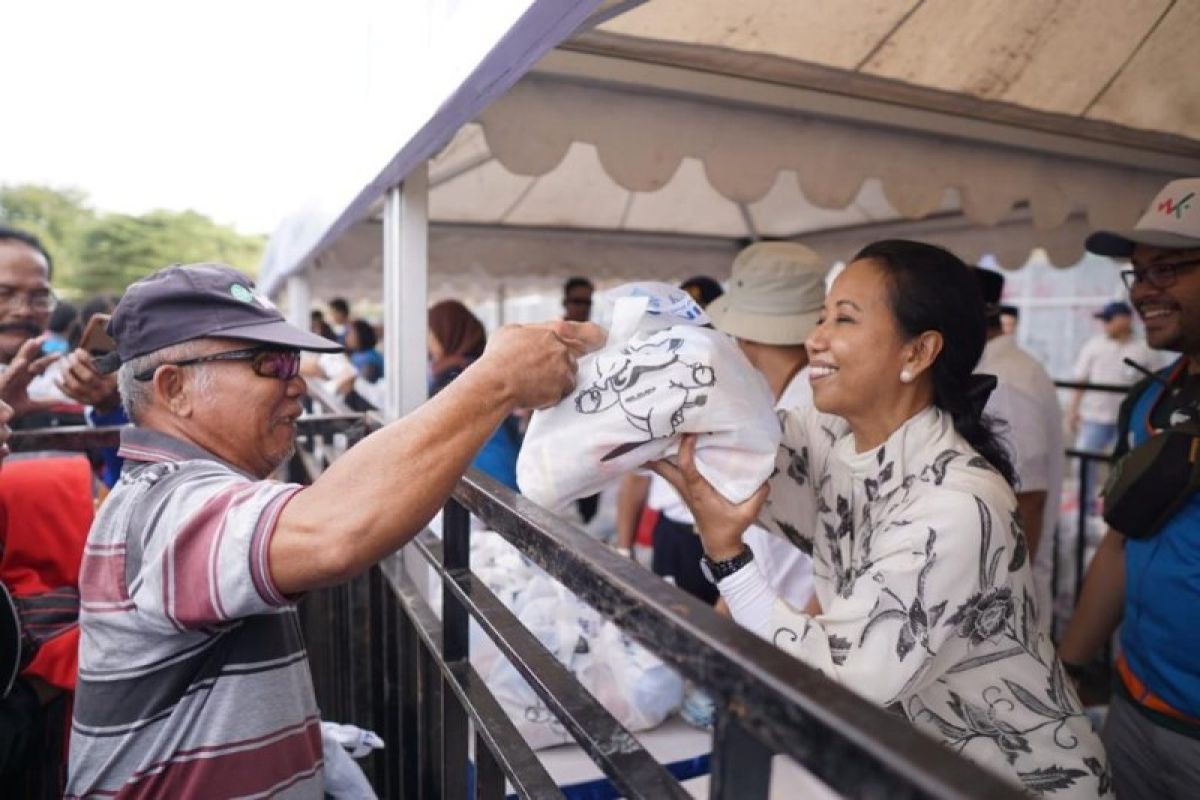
(775, 294)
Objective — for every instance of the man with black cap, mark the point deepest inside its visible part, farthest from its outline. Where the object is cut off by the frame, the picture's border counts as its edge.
(193, 678)
(1026, 401)
(1151, 586)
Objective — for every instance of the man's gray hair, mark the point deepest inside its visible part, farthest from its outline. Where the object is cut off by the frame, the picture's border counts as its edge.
(136, 395)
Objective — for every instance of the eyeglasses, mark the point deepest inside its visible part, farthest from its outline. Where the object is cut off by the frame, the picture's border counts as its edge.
(42, 301)
(266, 363)
(1160, 276)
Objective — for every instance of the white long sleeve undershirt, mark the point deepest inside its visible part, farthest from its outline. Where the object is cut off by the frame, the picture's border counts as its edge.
(750, 599)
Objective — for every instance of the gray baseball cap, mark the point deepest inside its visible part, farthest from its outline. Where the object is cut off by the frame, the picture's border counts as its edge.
(196, 301)
(1172, 221)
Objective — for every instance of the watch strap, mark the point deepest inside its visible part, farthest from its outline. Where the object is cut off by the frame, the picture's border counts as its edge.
(716, 571)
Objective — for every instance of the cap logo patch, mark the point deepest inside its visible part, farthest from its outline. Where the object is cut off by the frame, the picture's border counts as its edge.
(1169, 206)
(240, 292)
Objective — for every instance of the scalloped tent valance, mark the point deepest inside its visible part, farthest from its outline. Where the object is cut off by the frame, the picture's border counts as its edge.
(698, 124)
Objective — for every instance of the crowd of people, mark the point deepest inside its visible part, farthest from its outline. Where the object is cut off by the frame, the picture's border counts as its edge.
(900, 546)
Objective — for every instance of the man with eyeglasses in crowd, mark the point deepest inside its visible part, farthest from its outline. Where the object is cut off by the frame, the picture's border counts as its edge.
(26, 302)
(193, 675)
(1151, 586)
(46, 508)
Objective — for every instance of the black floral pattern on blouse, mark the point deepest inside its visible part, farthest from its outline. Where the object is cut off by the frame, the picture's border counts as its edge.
(994, 622)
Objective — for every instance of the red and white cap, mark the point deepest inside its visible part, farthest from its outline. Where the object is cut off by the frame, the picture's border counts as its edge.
(1172, 221)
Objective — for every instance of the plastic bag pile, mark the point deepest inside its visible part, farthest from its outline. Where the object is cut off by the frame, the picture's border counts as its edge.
(662, 374)
(637, 688)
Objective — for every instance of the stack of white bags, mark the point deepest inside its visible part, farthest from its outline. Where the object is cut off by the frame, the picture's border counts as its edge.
(664, 372)
(637, 688)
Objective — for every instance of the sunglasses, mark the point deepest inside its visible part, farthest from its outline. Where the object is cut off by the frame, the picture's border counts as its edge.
(1160, 276)
(577, 301)
(266, 362)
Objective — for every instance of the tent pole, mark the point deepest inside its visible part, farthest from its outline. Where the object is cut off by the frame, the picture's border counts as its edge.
(299, 295)
(405, 290)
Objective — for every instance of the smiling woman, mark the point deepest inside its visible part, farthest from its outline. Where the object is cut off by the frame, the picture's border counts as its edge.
(902, 494)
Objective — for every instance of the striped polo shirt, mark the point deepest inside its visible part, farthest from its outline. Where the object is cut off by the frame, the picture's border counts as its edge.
(193, 678)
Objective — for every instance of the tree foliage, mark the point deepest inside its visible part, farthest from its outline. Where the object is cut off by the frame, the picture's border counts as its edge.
(95, 252)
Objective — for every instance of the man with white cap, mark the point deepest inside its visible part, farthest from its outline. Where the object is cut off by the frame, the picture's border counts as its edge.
(776, 294)
(193, 678)
(1151, 585)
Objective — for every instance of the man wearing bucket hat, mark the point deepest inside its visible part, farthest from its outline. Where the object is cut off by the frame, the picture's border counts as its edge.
(1149, 585)
(193, 679)
(776, 295)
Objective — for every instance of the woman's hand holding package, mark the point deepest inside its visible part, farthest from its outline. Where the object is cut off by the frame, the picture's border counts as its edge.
(719, 522)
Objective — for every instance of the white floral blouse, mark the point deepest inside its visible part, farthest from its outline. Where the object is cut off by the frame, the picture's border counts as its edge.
(927, 597)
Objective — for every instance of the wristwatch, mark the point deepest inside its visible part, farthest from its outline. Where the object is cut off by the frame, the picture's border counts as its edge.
(716, 571)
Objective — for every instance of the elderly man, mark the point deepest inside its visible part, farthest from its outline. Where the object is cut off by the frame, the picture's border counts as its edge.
(1151, 585)
(193, 675)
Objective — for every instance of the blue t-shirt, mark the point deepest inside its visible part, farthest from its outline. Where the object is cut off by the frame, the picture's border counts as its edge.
(498, 457)
(1160, 633)
(369, 364)
(110, 470)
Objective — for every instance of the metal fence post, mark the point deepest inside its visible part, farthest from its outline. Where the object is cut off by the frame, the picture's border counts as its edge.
(741, 765)
(456, 543)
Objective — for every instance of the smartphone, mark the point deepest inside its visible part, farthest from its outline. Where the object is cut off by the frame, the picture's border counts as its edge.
(95, 337)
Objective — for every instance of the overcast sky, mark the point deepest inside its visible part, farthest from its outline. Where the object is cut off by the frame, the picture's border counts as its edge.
(230, 108)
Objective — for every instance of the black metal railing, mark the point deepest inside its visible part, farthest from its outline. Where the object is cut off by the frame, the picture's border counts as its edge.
(399, 668)
(1096, 687)
(382, 658)
(1086, 465)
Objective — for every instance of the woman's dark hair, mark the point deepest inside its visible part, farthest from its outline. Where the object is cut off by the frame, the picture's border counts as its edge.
(931, 289)
(460, 334)
(365, 335)
(703, 289)
(64, 316)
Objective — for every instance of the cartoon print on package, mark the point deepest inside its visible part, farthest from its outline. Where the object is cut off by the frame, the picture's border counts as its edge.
(663, 373)
(653, 385)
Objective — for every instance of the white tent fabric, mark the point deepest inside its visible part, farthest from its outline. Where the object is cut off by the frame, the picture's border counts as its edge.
(641, 140)
(653, 146)
(1118, 61)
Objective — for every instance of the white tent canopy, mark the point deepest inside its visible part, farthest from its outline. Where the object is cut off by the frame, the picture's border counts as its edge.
(655, 144)
(663, 134)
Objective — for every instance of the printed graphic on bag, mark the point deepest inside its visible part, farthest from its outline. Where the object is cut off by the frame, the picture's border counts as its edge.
(653, 385)
(664, 372)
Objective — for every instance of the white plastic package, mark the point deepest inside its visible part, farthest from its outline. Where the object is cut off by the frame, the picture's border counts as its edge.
(661, 374)
(636, 687)
(341, 744)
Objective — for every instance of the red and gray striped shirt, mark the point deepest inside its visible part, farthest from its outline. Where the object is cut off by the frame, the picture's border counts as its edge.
(193, 678)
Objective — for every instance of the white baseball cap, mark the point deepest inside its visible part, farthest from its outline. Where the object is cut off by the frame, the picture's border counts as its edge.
(1172, 221)
(775, 294)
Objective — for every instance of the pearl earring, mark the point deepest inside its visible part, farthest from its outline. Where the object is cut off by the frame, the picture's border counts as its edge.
(906, 376)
